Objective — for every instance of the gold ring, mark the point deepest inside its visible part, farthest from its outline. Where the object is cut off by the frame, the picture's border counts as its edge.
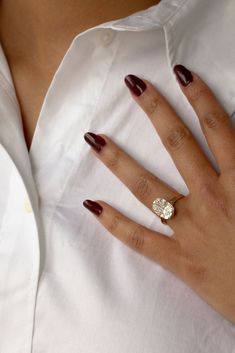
(165, 209)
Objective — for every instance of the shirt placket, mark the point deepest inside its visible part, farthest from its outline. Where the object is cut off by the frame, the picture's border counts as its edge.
(68, 110)
(19, 268)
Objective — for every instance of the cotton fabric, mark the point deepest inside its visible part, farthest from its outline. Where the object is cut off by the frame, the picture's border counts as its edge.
(67, 284)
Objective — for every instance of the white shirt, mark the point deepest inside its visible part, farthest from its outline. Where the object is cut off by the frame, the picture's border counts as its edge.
(67, 284)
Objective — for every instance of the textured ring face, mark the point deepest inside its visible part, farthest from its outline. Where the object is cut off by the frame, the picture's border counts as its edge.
(163, 208)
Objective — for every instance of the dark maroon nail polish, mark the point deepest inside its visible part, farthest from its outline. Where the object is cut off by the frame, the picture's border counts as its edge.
(95, 141)
(135, 84)
(184, 76)
(93, 206)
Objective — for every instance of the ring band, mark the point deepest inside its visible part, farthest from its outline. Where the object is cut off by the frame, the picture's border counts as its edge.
(165, 209)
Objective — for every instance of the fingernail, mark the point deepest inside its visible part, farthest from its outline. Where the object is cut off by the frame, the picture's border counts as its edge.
(184, 76)
(94, 207)
(95, 141)
(135, 84)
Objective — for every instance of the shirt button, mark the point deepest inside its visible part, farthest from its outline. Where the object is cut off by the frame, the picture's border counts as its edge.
(27, 205)
(107, 36)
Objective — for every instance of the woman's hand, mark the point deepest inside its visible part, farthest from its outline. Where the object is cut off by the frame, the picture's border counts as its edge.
(202, 249)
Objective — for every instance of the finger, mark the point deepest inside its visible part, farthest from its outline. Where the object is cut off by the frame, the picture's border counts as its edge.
(175, 135)
(145, 186)
(154, 245)
(215, 122)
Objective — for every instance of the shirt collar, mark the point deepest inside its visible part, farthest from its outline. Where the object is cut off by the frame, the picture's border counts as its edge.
(153, 17)
(150, 18)
(5, 74)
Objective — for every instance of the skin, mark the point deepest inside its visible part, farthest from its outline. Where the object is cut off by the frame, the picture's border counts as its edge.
(35, 36)
(201, 250)
(46, 28)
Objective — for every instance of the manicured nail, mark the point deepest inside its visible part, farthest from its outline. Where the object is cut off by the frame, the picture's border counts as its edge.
(94, 207)
(95, 141)
(135, 84)
(184, 76)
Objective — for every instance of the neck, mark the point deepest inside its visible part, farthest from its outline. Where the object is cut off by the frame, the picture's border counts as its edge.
(45, 27)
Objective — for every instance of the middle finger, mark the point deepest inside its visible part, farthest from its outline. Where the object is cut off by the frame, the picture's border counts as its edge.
(179, 141)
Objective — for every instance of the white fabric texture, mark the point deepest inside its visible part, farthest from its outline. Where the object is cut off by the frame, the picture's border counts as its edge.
(67, 284)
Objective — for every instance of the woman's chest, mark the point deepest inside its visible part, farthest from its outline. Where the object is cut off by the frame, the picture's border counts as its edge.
(31, 87)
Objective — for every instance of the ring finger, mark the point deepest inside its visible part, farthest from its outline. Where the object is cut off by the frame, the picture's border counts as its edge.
(143, 184)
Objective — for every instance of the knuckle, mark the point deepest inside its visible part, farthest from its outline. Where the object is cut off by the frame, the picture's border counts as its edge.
(207, 193)
(206, 189)
(135, 238)
(231, 177)
(113, 224)
(196, 92)
(196, 271)
(142, 187)
(213, 200)
(213, 120)
(153, 105)
(177, 137)
(206, 197)
(222, 205)
(192, 269)
(227, 178)
(112, 160)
